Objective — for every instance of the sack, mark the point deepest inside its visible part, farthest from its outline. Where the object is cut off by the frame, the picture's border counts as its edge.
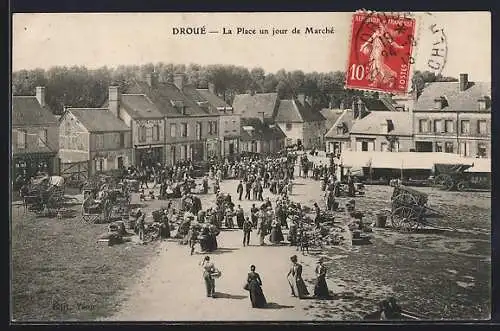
(246, 288)
(216, 273)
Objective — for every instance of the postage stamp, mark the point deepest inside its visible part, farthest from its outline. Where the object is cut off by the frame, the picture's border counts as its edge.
(380, 52)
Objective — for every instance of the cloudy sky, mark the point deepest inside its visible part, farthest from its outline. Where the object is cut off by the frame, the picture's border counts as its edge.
(94, 40)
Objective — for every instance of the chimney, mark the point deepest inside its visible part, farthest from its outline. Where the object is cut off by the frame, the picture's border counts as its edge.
(211, 88)
(114, 101)
(361, 109)
(342, 105)
(262, 116)
(179, 80)
(302, 98)
(464, 82)
(355, 111)
(40, 95)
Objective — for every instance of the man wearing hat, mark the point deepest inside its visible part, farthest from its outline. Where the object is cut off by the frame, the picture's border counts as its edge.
(247, 228)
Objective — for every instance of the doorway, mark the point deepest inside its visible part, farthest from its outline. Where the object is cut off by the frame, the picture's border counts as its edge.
(423, 146)
(120, 162)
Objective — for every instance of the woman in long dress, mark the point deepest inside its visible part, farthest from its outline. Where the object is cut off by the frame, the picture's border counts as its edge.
(297, 284)
(276, 236)
(254, 286)
(321, 288)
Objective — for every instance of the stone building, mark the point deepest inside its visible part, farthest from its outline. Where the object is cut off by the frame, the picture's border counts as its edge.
(34, 137)
(93, 140)
(454, 117)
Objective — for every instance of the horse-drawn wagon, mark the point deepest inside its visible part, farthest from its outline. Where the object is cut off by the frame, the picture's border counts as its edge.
(44, 195)
(455, 177)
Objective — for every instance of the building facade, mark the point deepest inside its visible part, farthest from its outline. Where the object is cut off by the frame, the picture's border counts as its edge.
(170, 121)
(383, 131)
(337, 138)
(96, 137)
(229, 122)
(454, 117)
(34, 137)
(259, 137)
(302, 125)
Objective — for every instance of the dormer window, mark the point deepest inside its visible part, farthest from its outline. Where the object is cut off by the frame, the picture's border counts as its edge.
(203, 104)
(179, 105)
(440, 103)
(341, 128)
(482, 103)
(390, 125)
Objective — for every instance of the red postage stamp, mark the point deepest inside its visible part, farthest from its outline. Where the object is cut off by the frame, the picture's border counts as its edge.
(380, 54)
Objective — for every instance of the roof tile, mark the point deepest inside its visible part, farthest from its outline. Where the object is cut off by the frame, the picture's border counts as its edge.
(98, 119)
(457, 100)
(26, 110)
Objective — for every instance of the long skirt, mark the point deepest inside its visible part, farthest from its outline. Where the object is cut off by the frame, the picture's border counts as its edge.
(276, 236)
(212, 243)
(257, 296)
(298, 287)
(321, 288)
(204, 243)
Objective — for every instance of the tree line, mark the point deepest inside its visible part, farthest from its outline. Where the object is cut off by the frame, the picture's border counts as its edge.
(79, 86)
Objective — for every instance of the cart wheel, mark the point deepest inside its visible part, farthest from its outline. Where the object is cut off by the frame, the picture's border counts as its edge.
(402, 218)
(404, 199)
(449, 184)
(462, 186)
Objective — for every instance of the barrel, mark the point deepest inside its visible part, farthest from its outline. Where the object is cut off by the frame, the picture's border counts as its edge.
(381, 220)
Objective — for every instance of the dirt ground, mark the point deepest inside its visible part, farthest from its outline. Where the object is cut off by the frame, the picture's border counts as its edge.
(438, 274)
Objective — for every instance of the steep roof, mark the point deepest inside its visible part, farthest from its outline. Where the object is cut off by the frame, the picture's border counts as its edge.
(331, 115)
(377, 104)
(248, 105)
(260, 131)
(456, 100)
(346, 121)
(140, 106)
(213, 99)
(163, 94)
(26, 110)
(294, 111)
(98, 119)
(371, 123)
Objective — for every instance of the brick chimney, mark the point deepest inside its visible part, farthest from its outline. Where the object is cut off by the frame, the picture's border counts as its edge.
(40, 95)
(302, 98)
(362, 112)
(211, 88)
(114, 101)
(464, 82)
(179, 80)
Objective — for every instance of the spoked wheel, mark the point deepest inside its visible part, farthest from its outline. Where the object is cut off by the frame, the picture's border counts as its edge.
(404, 199)
(444, 182)
(405, 219)
(462, 186)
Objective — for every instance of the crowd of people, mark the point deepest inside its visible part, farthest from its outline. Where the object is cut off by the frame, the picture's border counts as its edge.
(268, 183)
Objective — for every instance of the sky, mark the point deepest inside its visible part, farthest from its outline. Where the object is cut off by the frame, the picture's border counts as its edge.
(97, 39)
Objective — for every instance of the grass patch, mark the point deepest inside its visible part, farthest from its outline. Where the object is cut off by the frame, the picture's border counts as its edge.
(60, 272)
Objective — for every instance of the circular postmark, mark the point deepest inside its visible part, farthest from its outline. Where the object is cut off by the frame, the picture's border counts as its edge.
(433, 45)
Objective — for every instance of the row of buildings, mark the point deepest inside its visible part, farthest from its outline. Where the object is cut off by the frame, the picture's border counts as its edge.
(164, 122)
(451, 117)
